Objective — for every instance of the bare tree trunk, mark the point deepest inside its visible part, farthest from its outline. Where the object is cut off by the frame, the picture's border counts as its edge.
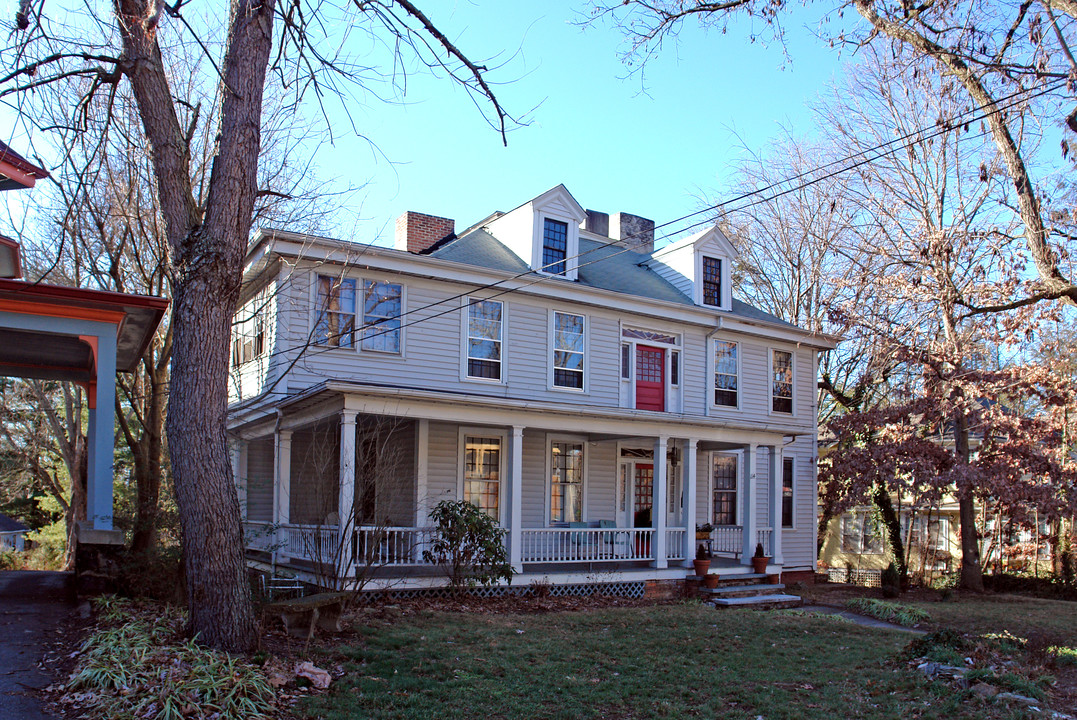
(76, 507)
(971, 573)
(148, 472)
(207, 255)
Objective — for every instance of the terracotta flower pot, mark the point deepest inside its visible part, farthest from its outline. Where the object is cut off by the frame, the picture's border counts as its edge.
(710, 581)
(701, 567)
(759, 564)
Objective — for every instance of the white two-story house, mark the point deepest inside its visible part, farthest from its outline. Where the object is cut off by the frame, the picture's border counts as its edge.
(597, 397)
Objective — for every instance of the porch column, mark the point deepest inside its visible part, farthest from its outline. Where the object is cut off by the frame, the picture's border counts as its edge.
(658, 511)
(282, 484)
(516, 484)
(776, 481)
(100, 445)
(346, 500)
(748, 504)
(239, 474)
(689, 486)
(422, 473)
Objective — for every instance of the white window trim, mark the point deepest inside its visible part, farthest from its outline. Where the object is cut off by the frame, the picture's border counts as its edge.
(316, 310)
(770, 382)
(476, 431)
(793, 487)
(712, 370)
(551, 438)
(572, 244)
(738, 456)
(551, 327)
(727, 287)
(464, 316)
(360, 317)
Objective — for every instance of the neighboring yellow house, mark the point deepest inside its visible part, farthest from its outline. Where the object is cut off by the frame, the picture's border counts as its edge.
(855, 548)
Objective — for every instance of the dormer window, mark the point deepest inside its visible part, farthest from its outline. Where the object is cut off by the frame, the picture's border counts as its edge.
(712, 281)
(554, 246)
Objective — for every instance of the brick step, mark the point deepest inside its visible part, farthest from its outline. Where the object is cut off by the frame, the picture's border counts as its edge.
(744, 590)
(743, 579)
(758, 602)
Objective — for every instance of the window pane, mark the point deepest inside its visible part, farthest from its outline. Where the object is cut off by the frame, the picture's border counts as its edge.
(712, 281)
(566, 482)
(554, 246)
(381, 316)
(568, 356)
(725, 373)
(482, 473)
(787, 492)
(782, 387)
(724, 476)
(484, 339)
(335, 324)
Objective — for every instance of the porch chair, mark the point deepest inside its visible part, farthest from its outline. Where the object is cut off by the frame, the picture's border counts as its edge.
(582, 540)
(608, 539)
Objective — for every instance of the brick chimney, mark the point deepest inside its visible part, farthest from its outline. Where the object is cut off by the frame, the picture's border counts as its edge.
(416, 232)
(637, 232)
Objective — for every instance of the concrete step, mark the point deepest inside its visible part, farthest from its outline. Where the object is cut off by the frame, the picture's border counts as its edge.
(745, 590)
(743, 579)
(759, 602)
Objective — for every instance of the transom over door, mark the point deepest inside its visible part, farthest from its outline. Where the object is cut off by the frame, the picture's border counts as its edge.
(650, 378)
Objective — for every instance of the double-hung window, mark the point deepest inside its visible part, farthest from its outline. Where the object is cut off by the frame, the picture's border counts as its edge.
(782, 385)
(381, 316)
(712, 281)
(787, 492)
(554, 246)
(568, 350)
(482, 473)
(484, 327)
(566, 481)
(724, 478)
(725, 373)
(336, 312)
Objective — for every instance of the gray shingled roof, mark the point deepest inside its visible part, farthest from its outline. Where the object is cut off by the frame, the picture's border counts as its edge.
(601, 266)
(9, 525)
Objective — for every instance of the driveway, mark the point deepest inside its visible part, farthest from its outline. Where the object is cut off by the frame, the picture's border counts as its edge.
(32, 605)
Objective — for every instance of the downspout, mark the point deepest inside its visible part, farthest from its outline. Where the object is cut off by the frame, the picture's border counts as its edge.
(276, 488)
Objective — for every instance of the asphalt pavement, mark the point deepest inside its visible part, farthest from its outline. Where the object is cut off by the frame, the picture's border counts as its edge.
(32, 606)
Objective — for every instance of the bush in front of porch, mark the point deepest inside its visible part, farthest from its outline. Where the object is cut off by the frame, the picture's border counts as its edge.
(469, 544)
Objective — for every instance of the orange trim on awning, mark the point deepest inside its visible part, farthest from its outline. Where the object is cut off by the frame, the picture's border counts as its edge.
(28, 307)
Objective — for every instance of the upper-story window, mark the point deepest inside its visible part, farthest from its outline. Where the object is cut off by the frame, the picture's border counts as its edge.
(336, 312)
(568, 350)
(782, 384)
(554, 246)
(712, 281)
(725, 373)
(484, 338)
(248, 333)
(381, 316)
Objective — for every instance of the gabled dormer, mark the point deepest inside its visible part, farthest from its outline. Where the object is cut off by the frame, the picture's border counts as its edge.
(700, 266)
(544, 233)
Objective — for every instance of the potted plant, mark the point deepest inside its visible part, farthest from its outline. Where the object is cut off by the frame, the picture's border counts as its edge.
(702, 563)
(703, 532)
(759, 560)
(710, 581)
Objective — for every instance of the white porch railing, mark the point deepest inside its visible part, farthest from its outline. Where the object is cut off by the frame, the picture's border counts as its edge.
(764, 536)
(260, 536)
(675, 543)
(318, 543)
(570, 545)
(727, 539)
(392, 546)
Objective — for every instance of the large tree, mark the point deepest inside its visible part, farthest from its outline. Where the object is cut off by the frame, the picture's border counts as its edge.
(207, 229)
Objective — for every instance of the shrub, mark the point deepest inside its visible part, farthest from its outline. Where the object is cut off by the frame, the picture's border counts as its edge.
(924, 646)
(155, 574)
(890, 581)
(469, 544)
(888, 612)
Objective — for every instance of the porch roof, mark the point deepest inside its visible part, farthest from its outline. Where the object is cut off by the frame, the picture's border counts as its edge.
(331, 396)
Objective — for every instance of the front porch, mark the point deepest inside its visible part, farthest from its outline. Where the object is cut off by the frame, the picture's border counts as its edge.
(576, 499)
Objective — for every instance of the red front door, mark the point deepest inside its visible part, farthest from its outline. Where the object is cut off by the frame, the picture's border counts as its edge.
(650, 378)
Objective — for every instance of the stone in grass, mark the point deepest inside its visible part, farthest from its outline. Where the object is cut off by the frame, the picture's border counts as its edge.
(984, 691)
(1014, 697)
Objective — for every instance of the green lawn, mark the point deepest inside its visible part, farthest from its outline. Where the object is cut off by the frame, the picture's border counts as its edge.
(1019, 615)
(652, 662)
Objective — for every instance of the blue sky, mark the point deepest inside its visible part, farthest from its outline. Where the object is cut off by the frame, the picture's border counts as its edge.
(615, 147)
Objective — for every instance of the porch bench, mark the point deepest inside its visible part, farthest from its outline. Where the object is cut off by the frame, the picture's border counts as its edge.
(302, 615)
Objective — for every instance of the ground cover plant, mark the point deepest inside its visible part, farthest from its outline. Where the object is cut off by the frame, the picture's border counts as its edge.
(136, 664)
(887, 611)
(683, 660)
